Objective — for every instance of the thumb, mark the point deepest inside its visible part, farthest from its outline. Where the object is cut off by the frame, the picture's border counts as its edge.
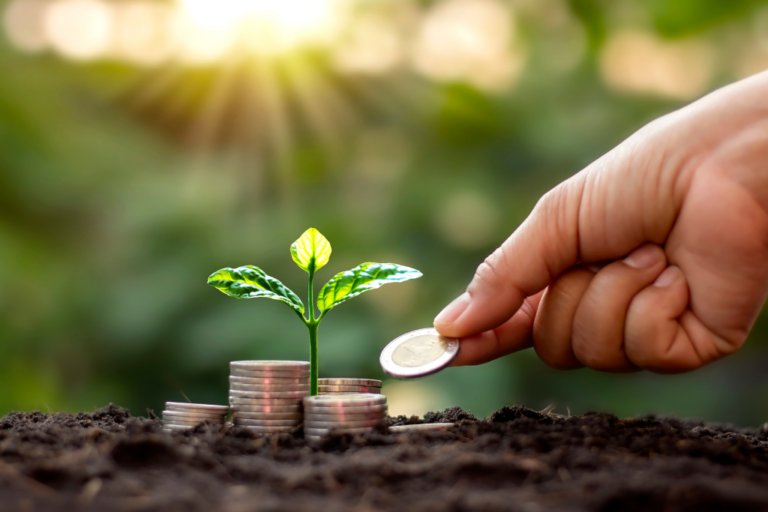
(542, 247)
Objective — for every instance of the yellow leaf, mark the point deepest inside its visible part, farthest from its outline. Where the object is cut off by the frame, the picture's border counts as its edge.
(311, 251)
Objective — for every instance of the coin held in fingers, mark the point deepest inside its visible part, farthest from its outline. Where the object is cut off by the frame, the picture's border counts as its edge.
(418, 353)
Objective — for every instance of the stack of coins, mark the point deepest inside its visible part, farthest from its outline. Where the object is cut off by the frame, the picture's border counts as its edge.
(346, 386)
(266, 395)
(350, 413)
(184, 416)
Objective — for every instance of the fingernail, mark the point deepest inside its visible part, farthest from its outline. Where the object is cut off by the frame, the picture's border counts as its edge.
(452, 311)
(667, 277)
(644, 257)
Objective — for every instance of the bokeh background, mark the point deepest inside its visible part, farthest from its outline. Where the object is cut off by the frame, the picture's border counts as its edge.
(145, 144)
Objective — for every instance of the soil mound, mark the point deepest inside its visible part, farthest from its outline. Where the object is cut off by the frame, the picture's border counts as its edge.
(515, 460)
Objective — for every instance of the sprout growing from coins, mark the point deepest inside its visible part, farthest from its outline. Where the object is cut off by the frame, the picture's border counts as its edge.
(311, 252)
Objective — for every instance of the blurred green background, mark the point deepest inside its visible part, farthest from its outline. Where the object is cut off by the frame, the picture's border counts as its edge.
(415, 132)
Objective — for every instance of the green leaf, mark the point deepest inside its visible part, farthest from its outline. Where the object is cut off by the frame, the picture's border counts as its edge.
(251, 282)
(368, 276)
(311, 251)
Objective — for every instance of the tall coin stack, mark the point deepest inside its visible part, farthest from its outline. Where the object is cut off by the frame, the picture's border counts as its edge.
(184, 416)
(346, 386)
(266, 395)
(350, 413)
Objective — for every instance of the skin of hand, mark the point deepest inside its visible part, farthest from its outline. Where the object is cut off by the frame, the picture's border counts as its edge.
(654, 257)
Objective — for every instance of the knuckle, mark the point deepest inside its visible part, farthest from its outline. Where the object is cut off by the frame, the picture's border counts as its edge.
(488, 272)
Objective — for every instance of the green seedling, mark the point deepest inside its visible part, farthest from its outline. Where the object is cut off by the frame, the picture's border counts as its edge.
(311, 252)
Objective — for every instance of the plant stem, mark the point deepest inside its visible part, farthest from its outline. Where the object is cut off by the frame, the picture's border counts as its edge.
(312, 357)
(310, 294)
(312, 326)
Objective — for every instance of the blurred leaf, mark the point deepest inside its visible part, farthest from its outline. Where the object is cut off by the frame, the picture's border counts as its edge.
(591, 14)
(368, 276)
(251, 282)
(467, 117)
(677, 18)
(311, 251)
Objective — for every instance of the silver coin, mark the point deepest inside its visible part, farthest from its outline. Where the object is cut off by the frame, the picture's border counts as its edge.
(180, 421)
(418, 353)
(264, 365)
(350, 389)
(183, 406)
(199, 412)
(239, 400)
(271, 410)
(346, 400)
(177, 414)
(422, 427)
(267, 415)
(241, 386)
(175, 428)
(274, 374)
(349, 382)
(342, 424)
(339, 392)
(324, 431)
(189, 423)
(269, 381)
(367, 409)
(267, 395)
(266, 423)
(268, 430)
(313, 416)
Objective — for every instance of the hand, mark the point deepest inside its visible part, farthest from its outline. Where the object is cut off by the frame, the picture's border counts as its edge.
(654, 257)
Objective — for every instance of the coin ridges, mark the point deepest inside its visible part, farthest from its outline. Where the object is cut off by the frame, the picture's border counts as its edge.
(184, 406)
(265, 395)
(269, 375)
(269, 409)
(348, 410)
(379, 415)
(348, 382)
(269, 388)
(346, 400)
(267, 423)
(239, 400)
(265, 365)
(343, 424)
(421, 427)
(324, 431)
(269, 381)
(268, 415)
(178, 414)
(350, 389)
(267, 430)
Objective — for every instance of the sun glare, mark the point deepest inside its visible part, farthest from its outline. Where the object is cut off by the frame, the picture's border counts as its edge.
(264, 26)
(214, 15)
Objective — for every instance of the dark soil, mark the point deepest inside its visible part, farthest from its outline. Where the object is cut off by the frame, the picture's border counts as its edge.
(516, 460)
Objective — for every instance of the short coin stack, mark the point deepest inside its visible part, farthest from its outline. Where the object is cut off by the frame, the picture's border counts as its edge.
(266, 395)
(345, 386)
(350, 413)
(184, 416)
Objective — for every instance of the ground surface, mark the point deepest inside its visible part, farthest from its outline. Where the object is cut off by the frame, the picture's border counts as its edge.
(517, 460)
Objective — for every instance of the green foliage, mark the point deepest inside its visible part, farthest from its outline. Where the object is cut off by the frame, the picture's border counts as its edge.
(368, 276)
(310, 252)
(251, 282)
(678, 18)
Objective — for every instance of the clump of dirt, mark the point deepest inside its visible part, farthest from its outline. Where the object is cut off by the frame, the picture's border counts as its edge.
(515, 460)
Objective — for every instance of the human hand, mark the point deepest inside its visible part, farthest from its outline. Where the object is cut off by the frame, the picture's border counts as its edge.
(654, 257)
